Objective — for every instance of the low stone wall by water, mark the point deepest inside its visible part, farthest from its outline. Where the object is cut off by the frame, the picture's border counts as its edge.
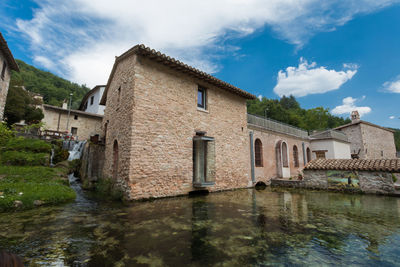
(92, 162)
(366, 176)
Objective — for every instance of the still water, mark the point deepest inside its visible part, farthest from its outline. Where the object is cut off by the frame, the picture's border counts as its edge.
(243, 227)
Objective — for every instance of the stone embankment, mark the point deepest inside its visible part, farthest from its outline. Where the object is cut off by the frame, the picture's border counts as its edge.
(356, 175)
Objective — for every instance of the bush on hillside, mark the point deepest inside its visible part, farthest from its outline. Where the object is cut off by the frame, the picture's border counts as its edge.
(5, 134)
(22, 158)
(24, 144)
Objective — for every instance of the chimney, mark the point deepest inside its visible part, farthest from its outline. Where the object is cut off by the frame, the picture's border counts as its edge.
(355, 116)
(65, 104)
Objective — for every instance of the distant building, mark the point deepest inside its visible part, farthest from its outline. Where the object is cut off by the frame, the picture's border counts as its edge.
(91, 101)
(368, 140)
(330, 144)
(81, 125)
(7, 63)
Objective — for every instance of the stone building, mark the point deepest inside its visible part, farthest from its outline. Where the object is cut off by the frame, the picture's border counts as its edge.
(7, 63)
(280, 150)
(171, 129)
(91, 101)
(369, 141)
(79, 124)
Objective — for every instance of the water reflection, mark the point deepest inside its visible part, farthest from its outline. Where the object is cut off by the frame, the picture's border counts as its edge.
(245, 227)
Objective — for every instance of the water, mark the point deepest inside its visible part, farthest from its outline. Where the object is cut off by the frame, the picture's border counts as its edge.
(76, 151)
(243, 227)
(52, 157)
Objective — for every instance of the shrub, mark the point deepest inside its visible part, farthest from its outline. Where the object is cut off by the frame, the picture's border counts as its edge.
(24, 158)
(5, 134)
(74, 166)
(394, 178)
(25, 144)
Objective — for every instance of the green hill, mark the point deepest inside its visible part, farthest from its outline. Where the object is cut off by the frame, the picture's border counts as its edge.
(53, 88)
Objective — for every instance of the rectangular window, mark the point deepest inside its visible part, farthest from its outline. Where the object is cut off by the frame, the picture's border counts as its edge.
(382, 153)
(202, 98)
(91, 100)
(203, 161)
(75, 117)
(74, 131)
(320, 154)
(3, 70)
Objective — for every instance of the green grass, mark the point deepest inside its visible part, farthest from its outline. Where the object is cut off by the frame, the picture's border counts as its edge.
(25, 144)
(28, 184)
(24, 158)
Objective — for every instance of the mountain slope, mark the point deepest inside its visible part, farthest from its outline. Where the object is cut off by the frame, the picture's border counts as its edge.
(53, 88)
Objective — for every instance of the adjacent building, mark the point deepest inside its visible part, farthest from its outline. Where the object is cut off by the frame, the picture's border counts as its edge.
(81, 125)
(91, 101)
(7, 63)
(368, 140)
(330, 144)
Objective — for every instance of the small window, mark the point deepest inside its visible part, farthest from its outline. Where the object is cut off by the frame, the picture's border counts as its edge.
(3, 71)
(85, 106)
(382, 153)
(258, 151)
(201, 98)
(320, 154)
(92, 100)
(119, 94)
(74, 131)
(75, 117)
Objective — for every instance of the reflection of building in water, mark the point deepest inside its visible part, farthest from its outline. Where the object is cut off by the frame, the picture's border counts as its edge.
(296, 206)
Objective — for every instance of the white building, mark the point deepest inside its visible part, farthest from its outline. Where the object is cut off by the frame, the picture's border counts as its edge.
(91, 101)
(330, 144)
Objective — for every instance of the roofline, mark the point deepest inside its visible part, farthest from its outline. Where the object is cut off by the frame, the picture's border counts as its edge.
(176, 65)
(88, 94)
(365, 122)
(9, 56)
(73, 111)
(329, 138)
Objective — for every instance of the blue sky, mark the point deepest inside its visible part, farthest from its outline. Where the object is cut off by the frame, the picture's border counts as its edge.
(342, 55)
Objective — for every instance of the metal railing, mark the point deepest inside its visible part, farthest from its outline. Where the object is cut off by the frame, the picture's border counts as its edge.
(276, 126)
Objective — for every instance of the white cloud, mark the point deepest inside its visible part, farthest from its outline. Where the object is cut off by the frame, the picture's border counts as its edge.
(393, 86)
(309, 79)
(392, 117)
(349, 105)
(82, 36)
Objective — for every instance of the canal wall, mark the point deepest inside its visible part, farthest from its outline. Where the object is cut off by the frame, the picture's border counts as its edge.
(92, 162)
(355, 175)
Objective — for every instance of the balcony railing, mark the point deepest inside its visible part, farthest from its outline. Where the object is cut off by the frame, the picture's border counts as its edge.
(276, 126)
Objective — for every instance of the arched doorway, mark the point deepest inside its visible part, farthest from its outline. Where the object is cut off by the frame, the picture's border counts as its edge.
(282, 159)
(115, 159)
(308, 155)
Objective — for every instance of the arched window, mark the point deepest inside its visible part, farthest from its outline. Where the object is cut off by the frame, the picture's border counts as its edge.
(296, 156)
(258, 151)
(115, 159)
(308, 154)
(285, 161)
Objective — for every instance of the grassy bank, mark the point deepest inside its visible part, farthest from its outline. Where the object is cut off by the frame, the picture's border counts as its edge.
(33, 185)
(26, 180)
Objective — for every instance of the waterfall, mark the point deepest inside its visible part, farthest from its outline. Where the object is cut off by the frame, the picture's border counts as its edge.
(77, 149)
(51, 157)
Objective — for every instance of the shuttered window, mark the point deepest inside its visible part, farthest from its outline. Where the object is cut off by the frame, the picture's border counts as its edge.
(258, 153)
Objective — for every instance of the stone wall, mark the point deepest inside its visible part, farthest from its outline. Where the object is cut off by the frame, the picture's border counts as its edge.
(92, 163)
(155, 125)
(353, 132)
(269, 140)
(4, 83)
(378, 142)
(56, 119)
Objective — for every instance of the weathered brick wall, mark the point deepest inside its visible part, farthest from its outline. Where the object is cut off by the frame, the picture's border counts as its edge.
(353, 132)
(157, 136)
(376, 141)
(57, 121)
(269, 140)
(4, 83)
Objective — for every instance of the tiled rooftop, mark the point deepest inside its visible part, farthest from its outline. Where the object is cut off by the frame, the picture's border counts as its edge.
(389, 165)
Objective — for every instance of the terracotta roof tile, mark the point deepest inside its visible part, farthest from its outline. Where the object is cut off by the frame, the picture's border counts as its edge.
(388, 165)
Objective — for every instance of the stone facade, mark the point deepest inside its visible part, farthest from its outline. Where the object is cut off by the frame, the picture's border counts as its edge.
(86, 124)
(152, 116)
(269, 140)
(370, 141)
(4, 83)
